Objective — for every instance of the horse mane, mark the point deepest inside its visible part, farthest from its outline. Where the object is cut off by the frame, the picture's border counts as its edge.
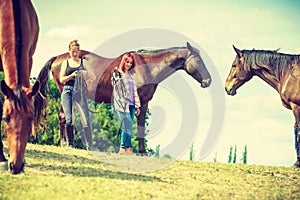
(18, 34)
(275, 60)
(146, 51)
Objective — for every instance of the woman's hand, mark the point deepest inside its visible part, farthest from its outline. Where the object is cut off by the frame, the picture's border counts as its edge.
(85, 74)
(137, 111)
(74, 74)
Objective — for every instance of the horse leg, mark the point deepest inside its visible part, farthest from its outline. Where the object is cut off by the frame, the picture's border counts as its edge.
(296, 111)
(297, 143)
(141, 129)
(62, 128)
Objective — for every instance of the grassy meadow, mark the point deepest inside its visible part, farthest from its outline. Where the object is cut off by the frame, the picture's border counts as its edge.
(63, 173)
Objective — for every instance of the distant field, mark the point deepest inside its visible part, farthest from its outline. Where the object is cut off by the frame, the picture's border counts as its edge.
(62, 173)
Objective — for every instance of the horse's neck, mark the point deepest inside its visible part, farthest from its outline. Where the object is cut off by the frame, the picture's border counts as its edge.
(269, 78)
(275, 74)
(166, 67)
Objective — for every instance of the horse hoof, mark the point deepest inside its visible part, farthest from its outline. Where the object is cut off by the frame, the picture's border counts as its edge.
(4, 166)
(143, 154)
(297, 164)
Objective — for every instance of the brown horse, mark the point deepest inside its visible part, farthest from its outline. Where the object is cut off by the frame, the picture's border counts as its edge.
(18, 37)
(281, 71)
(151, 68)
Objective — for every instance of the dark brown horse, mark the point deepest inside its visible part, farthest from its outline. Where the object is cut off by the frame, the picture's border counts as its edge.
(151, 68)
(18, 37)
(281, 71)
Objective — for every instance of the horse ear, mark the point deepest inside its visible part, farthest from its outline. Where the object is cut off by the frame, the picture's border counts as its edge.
(238, 52)
(34, 89)
(189, 47)
(6, 90)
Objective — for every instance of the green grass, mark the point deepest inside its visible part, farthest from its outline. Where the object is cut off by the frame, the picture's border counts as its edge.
(63, 173)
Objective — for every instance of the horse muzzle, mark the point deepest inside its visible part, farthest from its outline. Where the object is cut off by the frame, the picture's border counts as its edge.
(230, 91)
(205, 83)
(16, 168)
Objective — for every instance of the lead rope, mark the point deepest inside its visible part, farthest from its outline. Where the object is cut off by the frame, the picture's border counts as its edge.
(122, 95)
(80, 87)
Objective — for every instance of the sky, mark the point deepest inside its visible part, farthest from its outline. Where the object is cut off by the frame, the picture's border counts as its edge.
(254, 116)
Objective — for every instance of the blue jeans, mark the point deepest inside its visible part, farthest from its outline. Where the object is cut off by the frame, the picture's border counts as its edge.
(68, 103)
(126, 127)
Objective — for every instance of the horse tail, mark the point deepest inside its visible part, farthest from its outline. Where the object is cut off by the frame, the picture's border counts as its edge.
(40, 99)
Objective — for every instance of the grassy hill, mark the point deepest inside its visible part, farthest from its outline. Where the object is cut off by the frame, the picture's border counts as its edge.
(63, 173)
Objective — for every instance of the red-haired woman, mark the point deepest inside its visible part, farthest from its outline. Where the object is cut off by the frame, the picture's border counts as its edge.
(125, 100)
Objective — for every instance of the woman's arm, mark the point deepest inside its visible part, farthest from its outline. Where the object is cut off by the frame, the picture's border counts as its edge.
(62, 77)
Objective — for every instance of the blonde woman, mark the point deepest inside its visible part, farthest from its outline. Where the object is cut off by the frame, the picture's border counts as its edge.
(71, 68)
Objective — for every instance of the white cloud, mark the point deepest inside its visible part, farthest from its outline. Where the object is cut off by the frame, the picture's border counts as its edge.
(69, 31)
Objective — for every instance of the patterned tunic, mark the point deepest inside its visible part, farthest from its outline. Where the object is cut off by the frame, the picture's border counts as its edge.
(124, 93)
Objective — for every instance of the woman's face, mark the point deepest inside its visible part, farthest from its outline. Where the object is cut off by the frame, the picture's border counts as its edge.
(74, 53)
(128, 63)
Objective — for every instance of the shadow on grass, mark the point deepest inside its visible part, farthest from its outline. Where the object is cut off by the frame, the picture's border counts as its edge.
(80, 170)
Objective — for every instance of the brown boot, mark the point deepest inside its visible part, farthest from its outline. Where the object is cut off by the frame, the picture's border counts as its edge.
(70, 136)
(129, 151)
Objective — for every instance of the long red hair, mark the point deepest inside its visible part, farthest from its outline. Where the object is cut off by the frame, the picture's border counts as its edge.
(126, 57)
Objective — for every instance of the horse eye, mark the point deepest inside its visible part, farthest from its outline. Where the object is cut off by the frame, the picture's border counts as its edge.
(31, 119)
(6, 119)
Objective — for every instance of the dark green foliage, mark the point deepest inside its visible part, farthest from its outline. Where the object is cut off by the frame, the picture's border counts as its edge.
(192, 152)
(245, 155)
(157, 151)
(215, 158)
(230, 155)
(167, 156)
(234, 155)
(234, 158)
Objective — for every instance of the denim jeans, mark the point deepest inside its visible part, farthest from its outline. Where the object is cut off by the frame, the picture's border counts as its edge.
(126, 127)
(68, 103)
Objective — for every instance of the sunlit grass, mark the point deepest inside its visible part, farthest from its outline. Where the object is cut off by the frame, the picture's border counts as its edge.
(64, 173)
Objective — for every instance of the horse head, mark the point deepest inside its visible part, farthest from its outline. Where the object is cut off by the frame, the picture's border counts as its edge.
(239, 74)
(18, 115)
(195, 66)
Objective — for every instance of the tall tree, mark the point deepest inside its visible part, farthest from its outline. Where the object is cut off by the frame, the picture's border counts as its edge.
(230, 155)
(234, 154)
(192, 152)
(245, 155)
